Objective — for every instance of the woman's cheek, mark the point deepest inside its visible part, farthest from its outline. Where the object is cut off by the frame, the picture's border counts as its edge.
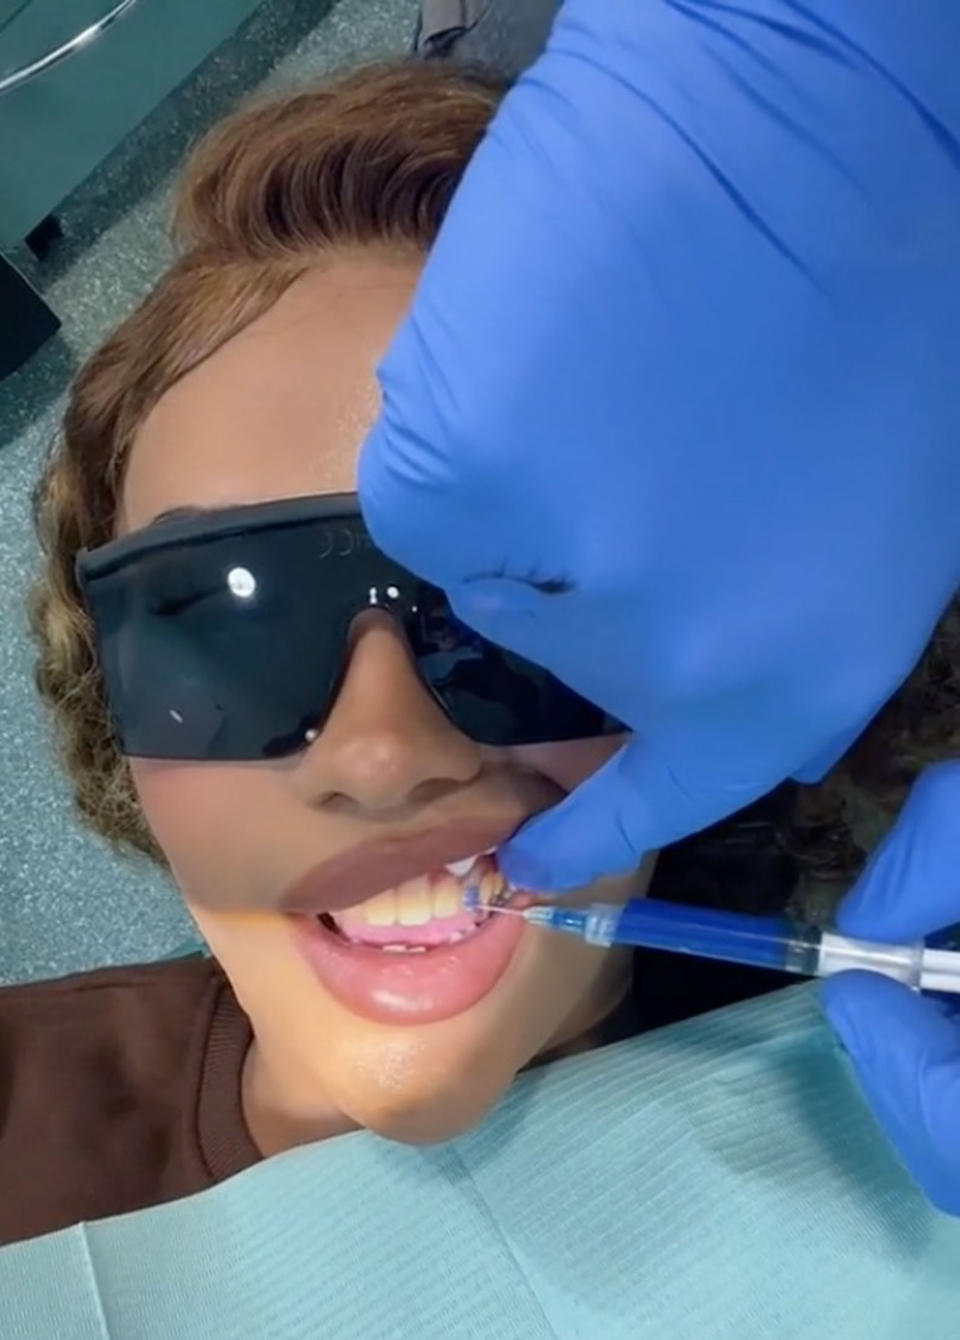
(171, 800)
(570, 762)
(192, 810)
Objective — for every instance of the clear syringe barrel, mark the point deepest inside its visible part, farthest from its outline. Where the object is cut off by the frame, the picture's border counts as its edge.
(763, 942)
(774, 942)
(766, 942)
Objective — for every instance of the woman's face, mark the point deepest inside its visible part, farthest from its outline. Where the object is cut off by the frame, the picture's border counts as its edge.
(280, 411)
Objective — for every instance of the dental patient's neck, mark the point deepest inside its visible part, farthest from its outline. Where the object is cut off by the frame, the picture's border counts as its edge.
(580, 1031)
(275, 1127)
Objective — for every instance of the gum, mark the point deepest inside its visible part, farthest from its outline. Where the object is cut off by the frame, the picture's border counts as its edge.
(433, 932)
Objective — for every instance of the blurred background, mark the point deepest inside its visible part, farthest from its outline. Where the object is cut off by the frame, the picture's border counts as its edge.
(99, 101)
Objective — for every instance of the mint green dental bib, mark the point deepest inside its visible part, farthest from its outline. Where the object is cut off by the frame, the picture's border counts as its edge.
(720, 1179)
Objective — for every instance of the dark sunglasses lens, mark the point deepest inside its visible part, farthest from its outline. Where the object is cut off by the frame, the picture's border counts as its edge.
(491, 694)
(217, 651)
(231, 647)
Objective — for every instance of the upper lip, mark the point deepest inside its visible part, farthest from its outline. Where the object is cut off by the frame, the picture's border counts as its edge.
(360, 872)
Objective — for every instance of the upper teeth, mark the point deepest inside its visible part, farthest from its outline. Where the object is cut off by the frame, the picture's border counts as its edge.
(463, 867)
(460, 868)
(418, 901)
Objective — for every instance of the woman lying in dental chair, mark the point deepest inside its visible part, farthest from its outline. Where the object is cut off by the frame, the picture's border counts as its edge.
(269, 709)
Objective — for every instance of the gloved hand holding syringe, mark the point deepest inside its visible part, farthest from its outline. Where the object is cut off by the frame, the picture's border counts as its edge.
(776, 943)
(683, 431)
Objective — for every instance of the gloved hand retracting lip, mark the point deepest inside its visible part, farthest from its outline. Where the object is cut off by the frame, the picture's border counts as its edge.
(651, 304)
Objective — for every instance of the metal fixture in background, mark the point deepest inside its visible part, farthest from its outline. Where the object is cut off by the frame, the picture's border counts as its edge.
(66, 49)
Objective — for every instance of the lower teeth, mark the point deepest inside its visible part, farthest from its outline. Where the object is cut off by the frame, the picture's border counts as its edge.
(453, 939)
(331, 925)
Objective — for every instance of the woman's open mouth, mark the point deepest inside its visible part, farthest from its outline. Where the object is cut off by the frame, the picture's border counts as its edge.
(416, 954)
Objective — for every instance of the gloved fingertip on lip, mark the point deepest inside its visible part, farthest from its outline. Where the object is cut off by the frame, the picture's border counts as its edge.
(524, 871)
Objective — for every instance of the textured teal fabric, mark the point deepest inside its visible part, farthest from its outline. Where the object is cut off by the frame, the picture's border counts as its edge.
(185, 950)
(717, 1180)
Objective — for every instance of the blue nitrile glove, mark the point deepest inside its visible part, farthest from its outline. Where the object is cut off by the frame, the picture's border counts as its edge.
(905, 1047)
(676, 411)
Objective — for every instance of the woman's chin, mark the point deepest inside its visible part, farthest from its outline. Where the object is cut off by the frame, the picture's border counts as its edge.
(425, 1125)
(415, 1100)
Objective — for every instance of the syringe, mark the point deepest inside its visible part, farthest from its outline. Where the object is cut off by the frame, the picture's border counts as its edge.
(762, 942)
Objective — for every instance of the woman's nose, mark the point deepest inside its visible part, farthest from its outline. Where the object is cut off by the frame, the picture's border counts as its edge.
(385, 738)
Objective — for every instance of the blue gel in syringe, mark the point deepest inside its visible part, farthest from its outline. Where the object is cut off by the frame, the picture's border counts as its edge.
(734, 937)
(764, 942)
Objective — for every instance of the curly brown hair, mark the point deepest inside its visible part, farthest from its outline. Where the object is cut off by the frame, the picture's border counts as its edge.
(371, 158)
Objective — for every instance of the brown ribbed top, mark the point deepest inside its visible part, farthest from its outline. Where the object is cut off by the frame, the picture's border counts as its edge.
(119, 1089)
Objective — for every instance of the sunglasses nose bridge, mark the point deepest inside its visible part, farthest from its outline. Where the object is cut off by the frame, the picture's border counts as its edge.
(403, 617)
(352, 621)
(361, 614)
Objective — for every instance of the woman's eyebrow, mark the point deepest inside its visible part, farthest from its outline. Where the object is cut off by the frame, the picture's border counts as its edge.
(178, 513)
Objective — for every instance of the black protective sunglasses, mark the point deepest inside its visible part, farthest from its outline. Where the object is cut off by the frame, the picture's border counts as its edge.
(223, 636)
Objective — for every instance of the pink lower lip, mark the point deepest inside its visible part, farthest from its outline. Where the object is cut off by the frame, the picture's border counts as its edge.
(410, 988)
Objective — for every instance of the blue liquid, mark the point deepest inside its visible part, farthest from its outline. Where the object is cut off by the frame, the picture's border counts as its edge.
(763, 942)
